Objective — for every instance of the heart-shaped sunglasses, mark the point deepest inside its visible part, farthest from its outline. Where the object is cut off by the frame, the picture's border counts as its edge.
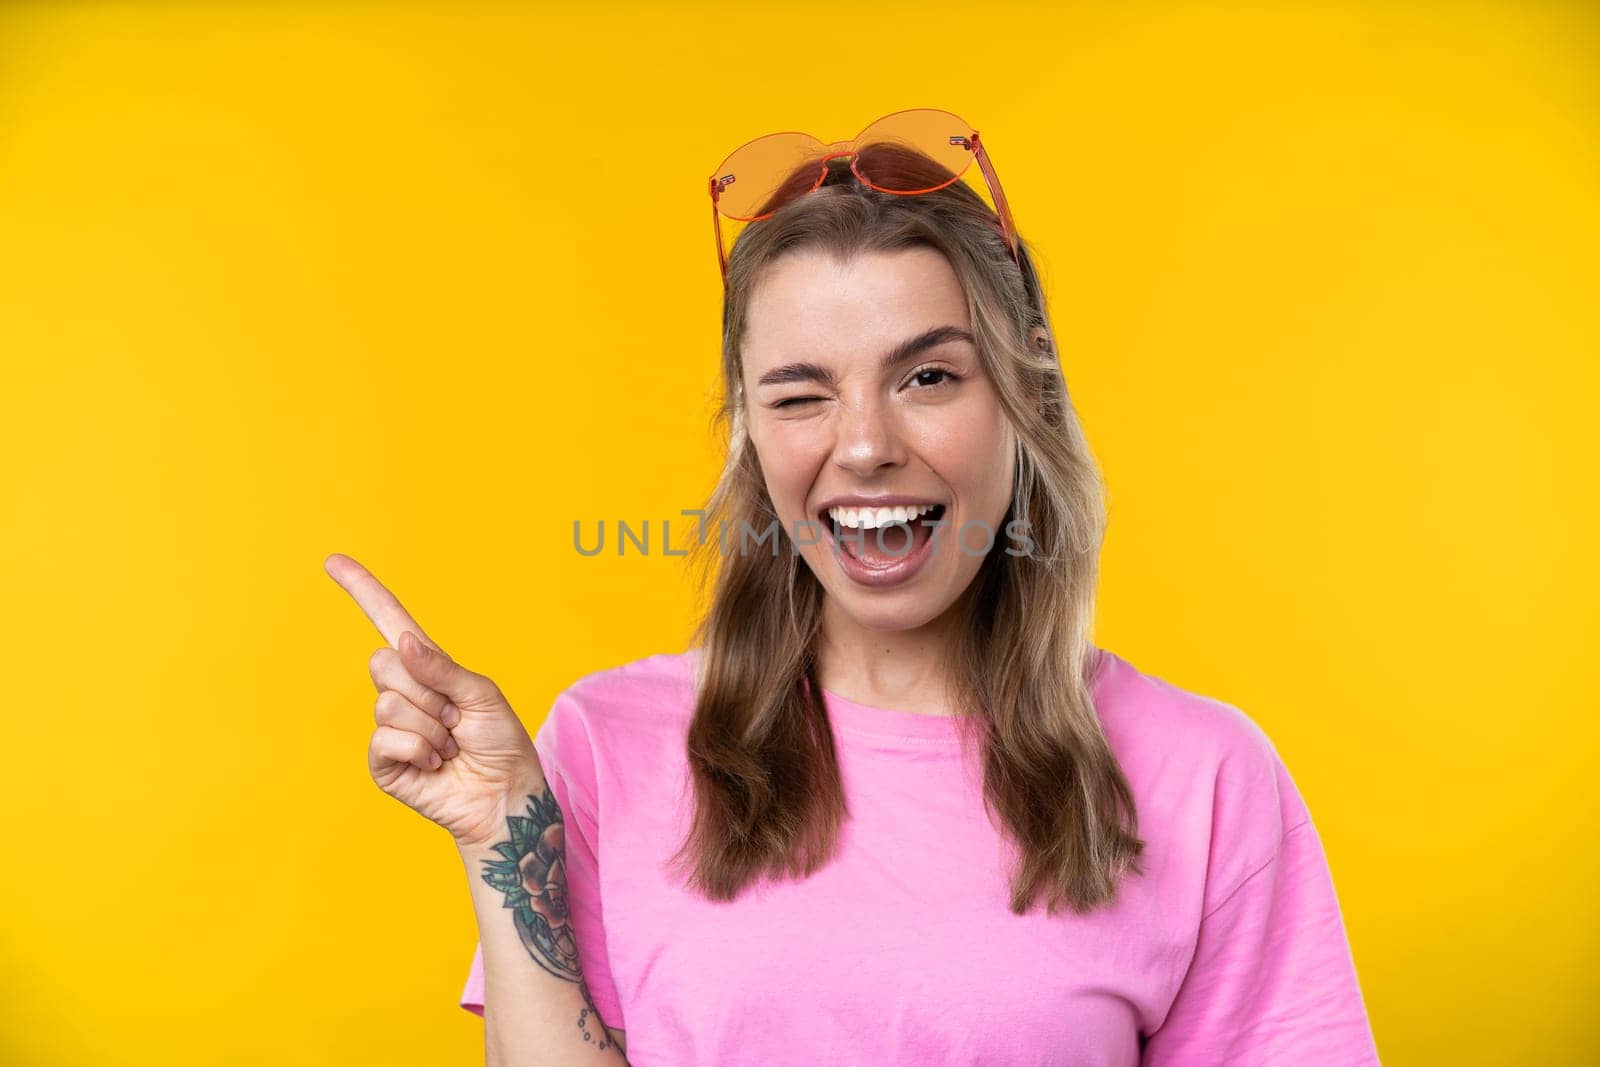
(906, 153)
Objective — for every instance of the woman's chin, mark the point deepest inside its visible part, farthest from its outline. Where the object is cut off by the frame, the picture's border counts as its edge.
(889, 610)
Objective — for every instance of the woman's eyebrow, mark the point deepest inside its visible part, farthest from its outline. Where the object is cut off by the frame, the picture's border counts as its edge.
(908, 349)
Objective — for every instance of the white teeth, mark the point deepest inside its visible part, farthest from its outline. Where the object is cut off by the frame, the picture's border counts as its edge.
(872, 518)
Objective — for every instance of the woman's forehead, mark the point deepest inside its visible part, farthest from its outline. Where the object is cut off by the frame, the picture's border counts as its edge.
(810, 298)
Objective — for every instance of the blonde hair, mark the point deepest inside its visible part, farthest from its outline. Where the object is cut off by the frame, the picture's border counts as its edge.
(768, 797)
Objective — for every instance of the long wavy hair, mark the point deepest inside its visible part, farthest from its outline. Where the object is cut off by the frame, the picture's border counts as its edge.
(768, 796)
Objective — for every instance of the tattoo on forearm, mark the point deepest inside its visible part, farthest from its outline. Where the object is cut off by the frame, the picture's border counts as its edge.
(533, 877)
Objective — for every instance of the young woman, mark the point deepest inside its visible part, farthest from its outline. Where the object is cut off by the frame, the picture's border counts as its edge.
(892, 806)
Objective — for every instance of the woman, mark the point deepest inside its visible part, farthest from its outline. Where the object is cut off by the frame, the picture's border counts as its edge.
(892, 806)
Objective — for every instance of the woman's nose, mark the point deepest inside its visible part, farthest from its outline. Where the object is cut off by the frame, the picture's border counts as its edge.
(867, 439)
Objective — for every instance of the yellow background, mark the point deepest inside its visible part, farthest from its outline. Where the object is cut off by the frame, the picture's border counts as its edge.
(426, 284)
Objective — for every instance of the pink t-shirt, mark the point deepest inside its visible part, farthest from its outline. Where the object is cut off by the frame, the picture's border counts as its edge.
(1230, 950)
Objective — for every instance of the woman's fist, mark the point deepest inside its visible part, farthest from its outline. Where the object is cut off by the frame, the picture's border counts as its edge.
(447, 743)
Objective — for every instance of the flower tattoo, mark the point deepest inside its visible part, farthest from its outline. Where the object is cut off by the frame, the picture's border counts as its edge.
(533, 878)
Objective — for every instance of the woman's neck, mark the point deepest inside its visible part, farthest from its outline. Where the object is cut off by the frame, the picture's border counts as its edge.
(900, 669)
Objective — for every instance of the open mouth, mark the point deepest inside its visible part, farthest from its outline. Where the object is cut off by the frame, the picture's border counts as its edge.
(881, 537)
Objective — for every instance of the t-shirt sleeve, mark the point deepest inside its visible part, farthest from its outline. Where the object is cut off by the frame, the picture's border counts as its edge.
(1272, 979)
(567, 759)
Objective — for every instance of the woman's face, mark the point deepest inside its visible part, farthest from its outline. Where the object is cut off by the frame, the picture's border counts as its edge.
(864, 390)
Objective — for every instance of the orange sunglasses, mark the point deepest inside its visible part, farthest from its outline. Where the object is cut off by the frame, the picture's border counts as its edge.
(762, 175)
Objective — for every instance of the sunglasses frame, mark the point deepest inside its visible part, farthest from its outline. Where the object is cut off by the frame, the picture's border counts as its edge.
(843, 149)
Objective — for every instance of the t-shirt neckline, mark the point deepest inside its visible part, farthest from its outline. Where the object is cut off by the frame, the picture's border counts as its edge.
(855, 717)
(889, 722)
(861, 718)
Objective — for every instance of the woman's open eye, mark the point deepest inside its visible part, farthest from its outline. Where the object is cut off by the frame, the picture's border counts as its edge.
(939, 376)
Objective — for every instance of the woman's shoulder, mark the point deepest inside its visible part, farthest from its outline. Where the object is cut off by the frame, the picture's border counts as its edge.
(612, 728)
(1138, 704)
(658, 688)
(662, 669)
(1174, 742)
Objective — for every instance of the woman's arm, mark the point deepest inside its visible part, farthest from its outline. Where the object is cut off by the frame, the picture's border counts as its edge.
(449, 746)
(536, 1007)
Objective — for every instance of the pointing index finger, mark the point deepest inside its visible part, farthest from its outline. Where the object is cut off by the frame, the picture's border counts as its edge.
(380, 605)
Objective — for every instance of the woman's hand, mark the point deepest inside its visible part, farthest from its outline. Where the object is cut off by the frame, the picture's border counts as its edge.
(448, 744)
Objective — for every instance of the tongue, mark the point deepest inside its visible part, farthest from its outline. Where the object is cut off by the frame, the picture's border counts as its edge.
(899, 541)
